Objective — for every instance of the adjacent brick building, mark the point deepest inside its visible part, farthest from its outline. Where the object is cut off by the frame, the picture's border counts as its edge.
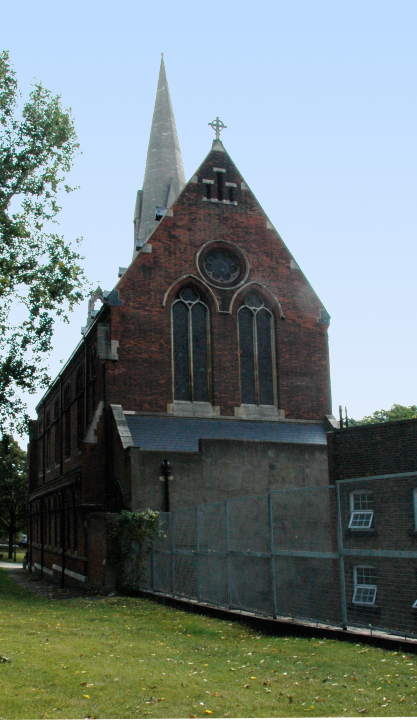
(374, 468)
(210, 352)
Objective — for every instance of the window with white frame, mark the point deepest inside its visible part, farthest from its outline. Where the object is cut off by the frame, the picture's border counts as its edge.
(361, 510)
(364, 585)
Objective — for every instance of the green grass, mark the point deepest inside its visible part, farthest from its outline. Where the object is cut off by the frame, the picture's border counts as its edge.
(114, 657)
(20, 554)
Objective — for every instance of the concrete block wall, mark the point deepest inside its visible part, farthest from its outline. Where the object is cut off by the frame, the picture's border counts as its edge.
(225, 469)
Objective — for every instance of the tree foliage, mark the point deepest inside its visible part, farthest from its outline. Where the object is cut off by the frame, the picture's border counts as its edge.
(396, 412)
(40, 273)
(13, 489)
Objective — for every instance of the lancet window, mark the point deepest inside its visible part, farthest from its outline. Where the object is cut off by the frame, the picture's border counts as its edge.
(256, 351)
(67, 421)
(79, 390)
(91, 383)
(57, 425)
(190, 331)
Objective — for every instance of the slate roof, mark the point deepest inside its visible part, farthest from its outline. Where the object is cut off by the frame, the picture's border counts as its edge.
(183, 434)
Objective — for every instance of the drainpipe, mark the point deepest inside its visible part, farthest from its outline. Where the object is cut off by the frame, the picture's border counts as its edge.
(43, 446)
(42, 511)
(61, 422)
(342, 584)
(30, 538)
(85, 387)
(108, 470)
(63, 529)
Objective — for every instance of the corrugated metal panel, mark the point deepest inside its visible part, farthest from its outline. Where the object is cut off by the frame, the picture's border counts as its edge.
(183, 434)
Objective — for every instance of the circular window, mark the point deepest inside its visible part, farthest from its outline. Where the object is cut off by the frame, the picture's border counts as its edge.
(222, 266)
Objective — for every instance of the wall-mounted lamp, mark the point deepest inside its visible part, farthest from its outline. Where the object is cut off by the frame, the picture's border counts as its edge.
(165, 477)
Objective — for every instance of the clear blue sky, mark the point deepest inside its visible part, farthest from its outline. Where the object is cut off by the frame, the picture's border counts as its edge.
(320, 103)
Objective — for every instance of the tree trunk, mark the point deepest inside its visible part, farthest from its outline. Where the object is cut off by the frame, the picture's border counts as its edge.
(12, 534)
(11, 542)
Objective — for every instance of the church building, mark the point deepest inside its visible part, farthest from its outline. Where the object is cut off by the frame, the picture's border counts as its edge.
(205, 366)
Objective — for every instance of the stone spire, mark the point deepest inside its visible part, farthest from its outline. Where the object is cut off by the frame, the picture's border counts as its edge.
(164, 173)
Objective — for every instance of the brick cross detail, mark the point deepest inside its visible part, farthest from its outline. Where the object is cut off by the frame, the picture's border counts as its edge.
(217, 125)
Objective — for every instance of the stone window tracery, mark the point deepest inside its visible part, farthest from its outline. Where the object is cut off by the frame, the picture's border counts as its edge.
(190, 335)
(256, 351)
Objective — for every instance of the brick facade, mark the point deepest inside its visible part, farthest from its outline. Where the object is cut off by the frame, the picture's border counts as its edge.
(376, 449)
(142, 380)
(79, 467)
(379, 461)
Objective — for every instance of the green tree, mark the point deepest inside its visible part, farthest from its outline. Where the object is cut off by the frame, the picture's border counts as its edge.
(396, 412)
(40, 273)
(13, 490)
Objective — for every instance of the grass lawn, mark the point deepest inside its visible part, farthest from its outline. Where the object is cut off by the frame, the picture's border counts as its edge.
(20, 554)
(114, 657)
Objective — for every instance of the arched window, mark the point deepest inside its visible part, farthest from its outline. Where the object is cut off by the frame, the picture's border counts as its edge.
(91, 383)
(48, 435)
(190, 331)
(57, 424)
(67, 421)
(256, 351)
(79, 390)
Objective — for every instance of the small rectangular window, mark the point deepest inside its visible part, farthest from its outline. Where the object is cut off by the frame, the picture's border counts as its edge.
(361, 520)
(361, 510)
(364, 595)
(159, 213)
(364, 585)
(220, 185)
(361, 500)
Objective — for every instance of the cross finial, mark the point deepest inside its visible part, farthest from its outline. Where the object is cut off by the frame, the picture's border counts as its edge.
(217, 125)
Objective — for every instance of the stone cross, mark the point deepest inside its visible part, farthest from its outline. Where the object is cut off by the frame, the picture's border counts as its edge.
(217, 125)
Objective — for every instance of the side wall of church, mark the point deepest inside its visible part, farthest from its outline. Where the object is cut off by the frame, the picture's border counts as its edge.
(68, 475)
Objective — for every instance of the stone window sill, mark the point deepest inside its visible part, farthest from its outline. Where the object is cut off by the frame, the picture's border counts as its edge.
(364, 532)
(185, 408)
(375, 609)
(259, 412)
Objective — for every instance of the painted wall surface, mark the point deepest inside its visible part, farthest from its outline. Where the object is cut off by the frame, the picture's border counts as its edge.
(224, 469)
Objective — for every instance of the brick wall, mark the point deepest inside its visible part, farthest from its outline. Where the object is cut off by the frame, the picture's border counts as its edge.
(142, 378)
(377, 449)
(389, 546)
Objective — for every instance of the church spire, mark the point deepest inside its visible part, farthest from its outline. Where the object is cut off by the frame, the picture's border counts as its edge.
(164, 173)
